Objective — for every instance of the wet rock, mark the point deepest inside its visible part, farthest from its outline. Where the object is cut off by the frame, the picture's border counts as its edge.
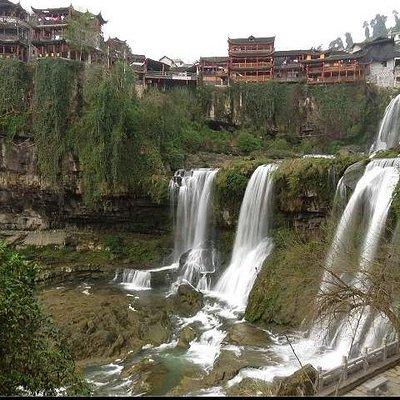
(230, 363)
(187, 335)
(46, 238)
(301, 383)
(244, 334)
(105, 325)
(187, 302)
(155, 323)
(353, 174)
(148, 377)
(250, 388)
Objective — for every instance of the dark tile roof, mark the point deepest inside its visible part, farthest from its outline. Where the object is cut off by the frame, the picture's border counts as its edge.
(252, 39)
(138, 58)
(214, 59)
(60, 10)
(286, 53)
(10, 4)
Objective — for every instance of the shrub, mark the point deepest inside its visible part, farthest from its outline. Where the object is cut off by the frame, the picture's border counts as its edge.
(246, 143)
(34, 358)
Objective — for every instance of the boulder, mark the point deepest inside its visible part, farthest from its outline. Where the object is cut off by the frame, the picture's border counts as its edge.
(187, 302)
(353, 174)
(301, 383)
(244, 334)
(187, 335)
(148, 377)
(250, 388)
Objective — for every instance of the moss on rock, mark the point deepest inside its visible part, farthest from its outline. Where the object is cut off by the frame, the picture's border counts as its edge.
(286, 287)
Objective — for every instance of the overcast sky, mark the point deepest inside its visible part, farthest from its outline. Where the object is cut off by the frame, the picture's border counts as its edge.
(188, 29)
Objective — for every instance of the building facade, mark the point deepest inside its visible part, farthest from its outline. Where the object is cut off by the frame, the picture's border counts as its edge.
(251, 59)
(50, 27)
(15, 31)
(214, 71)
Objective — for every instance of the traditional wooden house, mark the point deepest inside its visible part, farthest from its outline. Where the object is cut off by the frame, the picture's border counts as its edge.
(15, 31)
(251, 59)
(289, 65)
(214, 70)
(49, 37)
(343, 68)
(164, 76)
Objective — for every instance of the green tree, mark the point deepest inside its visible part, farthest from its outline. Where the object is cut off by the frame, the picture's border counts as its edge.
(34, 358)
(82, 33)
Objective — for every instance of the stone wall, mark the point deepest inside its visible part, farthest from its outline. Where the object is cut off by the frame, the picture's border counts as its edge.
(382, 74)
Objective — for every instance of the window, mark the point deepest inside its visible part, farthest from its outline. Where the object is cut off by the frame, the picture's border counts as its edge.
(384, 64)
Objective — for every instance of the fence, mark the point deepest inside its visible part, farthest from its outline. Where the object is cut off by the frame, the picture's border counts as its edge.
(352, 373)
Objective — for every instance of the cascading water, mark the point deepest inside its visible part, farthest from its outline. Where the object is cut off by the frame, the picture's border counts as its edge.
(366, 213)
(134, 280)
(389, 132)
(192, 191)
(252, 244)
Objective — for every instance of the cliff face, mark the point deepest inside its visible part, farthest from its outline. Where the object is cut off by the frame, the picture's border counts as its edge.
(27, 202)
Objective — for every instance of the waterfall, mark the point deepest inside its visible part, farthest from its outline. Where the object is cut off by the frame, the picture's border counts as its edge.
(363, 221)
(134, 280)
(252, 244)
(389, 132)
(192, 191)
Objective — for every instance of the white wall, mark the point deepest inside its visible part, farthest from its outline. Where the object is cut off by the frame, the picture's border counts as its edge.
(380, 75)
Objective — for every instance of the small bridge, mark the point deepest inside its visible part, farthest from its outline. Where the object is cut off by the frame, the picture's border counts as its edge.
(353, 373)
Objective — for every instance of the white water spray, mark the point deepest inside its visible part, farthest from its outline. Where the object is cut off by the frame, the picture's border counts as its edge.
(134, 280)
(389, 132)
(366, 214)
(193, 193)
(252, 244)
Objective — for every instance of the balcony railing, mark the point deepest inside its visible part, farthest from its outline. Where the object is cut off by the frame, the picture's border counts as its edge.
(51, 38)
(315, 70)
(250, 51)
(249, 65)
(14, 21)
(43, 22)
(13, 38)
(339, 68)
(214, 73)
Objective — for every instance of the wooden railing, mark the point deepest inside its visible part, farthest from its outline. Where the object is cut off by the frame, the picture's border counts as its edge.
(340, 68)
(13, 38)
(353, 373)
(246, 65)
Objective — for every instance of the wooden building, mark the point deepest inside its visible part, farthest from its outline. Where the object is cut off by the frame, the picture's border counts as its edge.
(15, 31)
(214, 70)
(163, 76)
(50, 25)
(251, 59)
(343, 68)
(289, 65)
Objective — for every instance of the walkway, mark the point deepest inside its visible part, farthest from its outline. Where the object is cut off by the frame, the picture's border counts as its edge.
(393, 386)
